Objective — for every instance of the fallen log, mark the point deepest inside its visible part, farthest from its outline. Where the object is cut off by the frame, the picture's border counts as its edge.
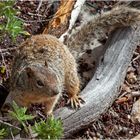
(102, 90)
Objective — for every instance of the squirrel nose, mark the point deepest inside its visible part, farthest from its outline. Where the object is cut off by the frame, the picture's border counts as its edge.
(53, 93)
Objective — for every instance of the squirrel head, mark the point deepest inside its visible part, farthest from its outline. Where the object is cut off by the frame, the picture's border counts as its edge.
(39, 79)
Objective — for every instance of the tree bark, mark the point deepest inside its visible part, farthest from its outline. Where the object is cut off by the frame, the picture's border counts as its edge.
(102, 90)
(59, 22)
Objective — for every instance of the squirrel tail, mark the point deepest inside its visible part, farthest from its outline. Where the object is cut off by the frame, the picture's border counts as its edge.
(101, 25)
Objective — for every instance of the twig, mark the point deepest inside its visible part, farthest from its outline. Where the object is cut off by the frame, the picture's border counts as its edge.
(127, 83)
(135, 93)
(12, 134)
(136, 58)
(39, 113)
(6, 54)
(10, 125)
(136, 53)
(32, 135)
(51, 17)
(9, 49)
(122, 95)
(32, 14)
(3, 62)
(39, 5)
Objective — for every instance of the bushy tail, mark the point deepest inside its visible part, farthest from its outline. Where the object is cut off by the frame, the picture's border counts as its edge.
(101, 25)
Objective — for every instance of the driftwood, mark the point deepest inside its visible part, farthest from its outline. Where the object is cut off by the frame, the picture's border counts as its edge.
(102, 90)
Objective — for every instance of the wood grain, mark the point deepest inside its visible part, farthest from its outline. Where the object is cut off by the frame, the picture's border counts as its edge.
(103, 89)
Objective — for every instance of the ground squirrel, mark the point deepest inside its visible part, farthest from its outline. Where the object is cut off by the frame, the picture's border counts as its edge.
(44, 66)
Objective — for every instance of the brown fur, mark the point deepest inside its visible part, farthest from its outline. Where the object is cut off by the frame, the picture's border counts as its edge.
(43, 59)
(44, 66)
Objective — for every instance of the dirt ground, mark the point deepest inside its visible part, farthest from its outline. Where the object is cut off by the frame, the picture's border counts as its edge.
(117, 122)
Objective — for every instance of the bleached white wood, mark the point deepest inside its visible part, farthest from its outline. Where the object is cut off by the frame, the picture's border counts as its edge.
(74, 15)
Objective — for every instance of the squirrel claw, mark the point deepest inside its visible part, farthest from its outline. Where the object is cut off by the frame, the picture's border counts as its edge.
(75, 102)
(81, 100)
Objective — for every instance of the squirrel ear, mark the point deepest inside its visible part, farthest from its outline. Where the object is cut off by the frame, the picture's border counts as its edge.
(46, 64)
(29, 72)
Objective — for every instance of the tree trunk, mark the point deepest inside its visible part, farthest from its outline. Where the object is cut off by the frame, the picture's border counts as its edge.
(103, 89)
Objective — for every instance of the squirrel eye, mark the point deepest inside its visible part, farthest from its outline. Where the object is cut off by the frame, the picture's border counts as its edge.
(39, 83)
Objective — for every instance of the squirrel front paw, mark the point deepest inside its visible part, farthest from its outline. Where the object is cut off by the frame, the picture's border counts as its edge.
(75, 101)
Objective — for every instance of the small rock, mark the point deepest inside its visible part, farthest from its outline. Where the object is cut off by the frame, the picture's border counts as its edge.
(130, 132)
(135, 113)
(131, 78)
(128, 116)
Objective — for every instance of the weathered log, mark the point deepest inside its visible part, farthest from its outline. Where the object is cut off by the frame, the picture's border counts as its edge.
(102, 90)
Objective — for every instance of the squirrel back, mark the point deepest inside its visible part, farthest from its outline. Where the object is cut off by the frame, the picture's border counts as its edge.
(98, 27)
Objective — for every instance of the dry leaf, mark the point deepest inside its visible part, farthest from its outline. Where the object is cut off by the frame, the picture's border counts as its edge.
(122, 100)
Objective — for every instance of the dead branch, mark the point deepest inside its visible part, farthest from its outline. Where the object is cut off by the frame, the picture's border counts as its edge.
(102, 90)
(39, 5)
(74, 15)
(61, 18)
(61, 21)
(10, 125)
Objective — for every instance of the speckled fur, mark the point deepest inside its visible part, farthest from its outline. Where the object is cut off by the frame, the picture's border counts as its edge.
(99, 26)
(44, 58)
